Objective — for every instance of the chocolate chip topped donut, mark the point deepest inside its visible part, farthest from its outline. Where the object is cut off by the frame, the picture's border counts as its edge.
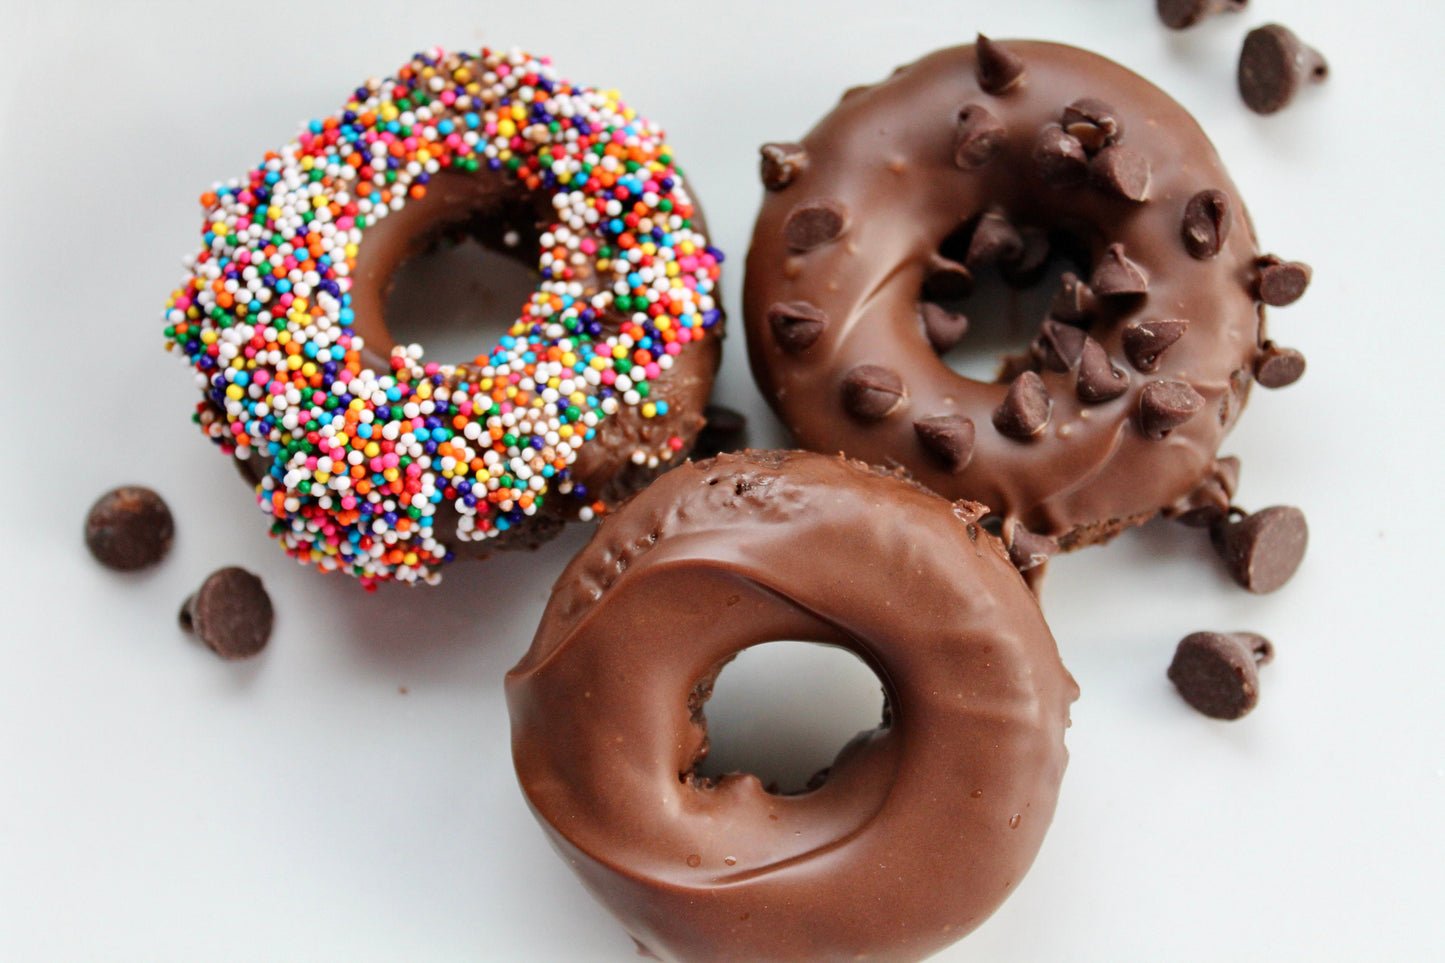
(986, 157)
(374, 462)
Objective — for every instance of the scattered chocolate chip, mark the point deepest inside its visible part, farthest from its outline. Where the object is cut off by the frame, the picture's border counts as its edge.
(978, 139)
(814, 223)
(999, 69)
(1282, 283)
(1099, 380)
(723, 430)
(945, 279)
(1059, 347)
(944, 328)
(1206, 224)
(1262, 550)
(1276, 367)
(872, 391)
(231, 613)
(1145, 341)
(1209, 502)
(949, 438)
(1028, 268)
(1122, 172)
(129, 528)
(1093, 123)
(1025, 409)
(1059, 158)
(1218, 673)
(1075, 302)
(995, 240)
(1117, 276)
(1165, 405)
(780, 164)
(796, 325)
(1027, 550)
(1274, 65)
(1181, 14)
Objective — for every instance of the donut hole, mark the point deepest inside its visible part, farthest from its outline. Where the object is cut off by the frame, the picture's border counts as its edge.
(782, 711)
(1003, 312)
(462, 293)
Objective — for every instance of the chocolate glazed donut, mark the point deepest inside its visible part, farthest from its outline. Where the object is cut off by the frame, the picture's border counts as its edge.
(918, 830)
(982, 156)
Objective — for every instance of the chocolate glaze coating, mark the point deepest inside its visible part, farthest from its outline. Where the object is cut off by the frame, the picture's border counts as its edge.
(888, 156)
(486, 205)
(921, 827)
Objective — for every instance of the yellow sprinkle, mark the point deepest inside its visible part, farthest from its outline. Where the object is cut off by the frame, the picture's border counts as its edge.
(649, 409)
(506, 128)
(308, 369)
(371, 450)
(209, 336)
(294, 362)
(235, 393)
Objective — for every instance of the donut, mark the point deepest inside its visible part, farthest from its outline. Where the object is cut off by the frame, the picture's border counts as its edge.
(918, 830)
(989, 157)
(374, 462)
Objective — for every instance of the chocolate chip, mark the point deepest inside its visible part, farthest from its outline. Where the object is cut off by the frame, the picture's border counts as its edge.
(1059, 158)
(1274, 65)
(1263, 550)
(1180, 14)
(1027, 550)
(949, 438)
(1210, 500)
(1059, 347)
(1117, 276)
(1206, 224)
(780, 164)
(1099, 380)
(723, 430)
(994, 241)
(796, 325)
(1165, 405)
(1145, 341)
(1282, 283)
(872, 391)
(1025, 409)
(978, 139)
(1093, 123)
(945, 279)
(1218, 673)
(1276, 367)
(1074, 302)
(1122, 172)
(129, 528)
(814, 223)
(998, 69)
(944, 328)
(1028, 268)
(231, 613)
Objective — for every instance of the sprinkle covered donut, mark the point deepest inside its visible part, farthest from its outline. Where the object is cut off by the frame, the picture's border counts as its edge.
(990, 157)
(918, 830)
(374, 462)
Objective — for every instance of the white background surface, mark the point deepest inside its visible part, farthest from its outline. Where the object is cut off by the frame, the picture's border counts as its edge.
(161, 805)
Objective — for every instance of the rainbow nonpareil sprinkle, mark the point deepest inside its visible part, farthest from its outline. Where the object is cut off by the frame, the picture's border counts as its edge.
(361, 460)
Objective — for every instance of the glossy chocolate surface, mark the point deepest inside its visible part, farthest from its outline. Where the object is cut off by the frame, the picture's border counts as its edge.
(921, 827)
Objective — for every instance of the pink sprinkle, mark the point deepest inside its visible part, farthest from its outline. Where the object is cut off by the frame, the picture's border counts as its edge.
(652, 370)
(609, 376)
(674, 348)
